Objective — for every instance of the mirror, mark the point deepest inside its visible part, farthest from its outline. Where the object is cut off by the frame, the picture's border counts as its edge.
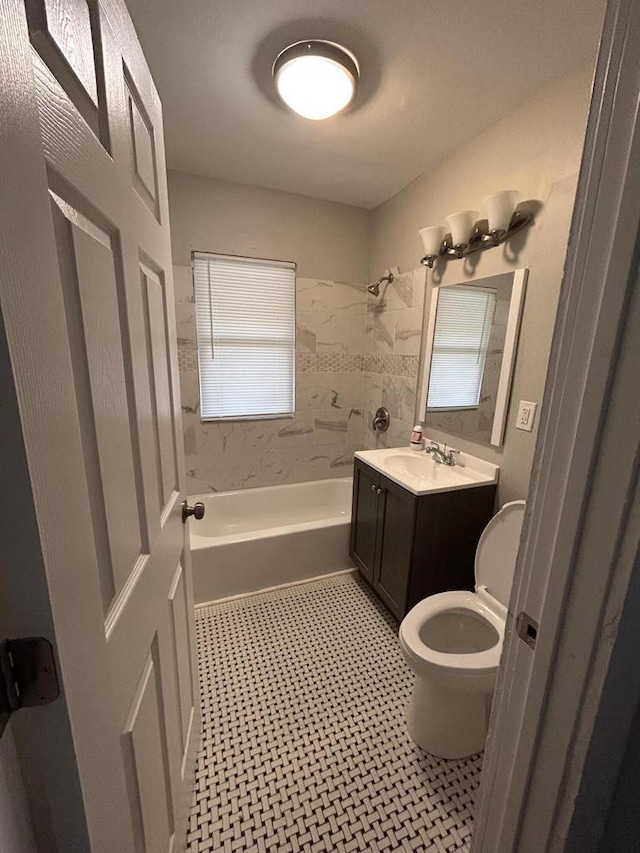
(469, 355)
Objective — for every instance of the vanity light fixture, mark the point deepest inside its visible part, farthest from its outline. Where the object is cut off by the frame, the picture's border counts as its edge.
(316, 79)
(467, 234)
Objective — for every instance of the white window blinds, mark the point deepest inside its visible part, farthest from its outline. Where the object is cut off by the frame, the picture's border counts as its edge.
(245, 321)
(460, 343)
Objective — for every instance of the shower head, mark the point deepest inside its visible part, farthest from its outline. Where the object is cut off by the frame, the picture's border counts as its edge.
(374, 289)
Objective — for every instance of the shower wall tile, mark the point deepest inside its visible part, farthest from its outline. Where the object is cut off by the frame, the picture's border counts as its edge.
(399, 294)
(371, 391)
(187, 355)
(399, 433)
(408, 331)
(391, 363)
(340, 331)
(313, 295)
(186, 321)
(333, 362)
(384, 331)
(320, 440)
(190, 392)
(354, 354)
(312, 391)
(348, 297)
(306, 337)
(399, 395)
(253, 468)
(345, 390)
(331, 428)
(341, 459)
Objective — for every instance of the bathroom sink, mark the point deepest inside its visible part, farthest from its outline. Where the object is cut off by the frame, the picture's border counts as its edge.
(413, 464)
(420, 474)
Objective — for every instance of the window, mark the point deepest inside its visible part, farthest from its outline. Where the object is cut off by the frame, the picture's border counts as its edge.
(245, 323)
(460, 342)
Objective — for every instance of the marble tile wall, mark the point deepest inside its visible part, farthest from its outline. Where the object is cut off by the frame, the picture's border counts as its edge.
(393, 340)
(354, 353)
(320, 440)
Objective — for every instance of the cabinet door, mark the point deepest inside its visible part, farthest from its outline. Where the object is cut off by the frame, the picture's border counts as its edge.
(364, 518)
(396, 520)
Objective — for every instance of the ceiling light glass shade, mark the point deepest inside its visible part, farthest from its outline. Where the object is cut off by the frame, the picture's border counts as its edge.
(316, 79)
(499, 208)
(432, 238)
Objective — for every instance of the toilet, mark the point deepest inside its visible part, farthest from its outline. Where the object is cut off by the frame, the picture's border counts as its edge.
(453, 641)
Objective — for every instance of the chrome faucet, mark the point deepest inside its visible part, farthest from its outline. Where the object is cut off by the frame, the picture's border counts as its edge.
(443, 456)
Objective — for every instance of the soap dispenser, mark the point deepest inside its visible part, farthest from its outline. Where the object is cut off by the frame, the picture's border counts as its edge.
(416, 442)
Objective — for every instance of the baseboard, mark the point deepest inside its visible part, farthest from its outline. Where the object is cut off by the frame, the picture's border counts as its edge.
(273, 588)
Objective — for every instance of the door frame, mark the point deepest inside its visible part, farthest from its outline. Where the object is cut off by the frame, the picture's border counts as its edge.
(557, 735)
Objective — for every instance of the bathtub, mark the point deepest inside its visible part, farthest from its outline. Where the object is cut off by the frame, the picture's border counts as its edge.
(254, 539)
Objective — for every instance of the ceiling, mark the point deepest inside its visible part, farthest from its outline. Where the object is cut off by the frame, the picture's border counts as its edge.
(433, 74)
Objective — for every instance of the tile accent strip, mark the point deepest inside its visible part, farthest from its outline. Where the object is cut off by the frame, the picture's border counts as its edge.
(392, 365)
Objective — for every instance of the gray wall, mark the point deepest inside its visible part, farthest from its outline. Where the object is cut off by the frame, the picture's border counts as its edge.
(536, 149)
(15, 825)
(326, 240)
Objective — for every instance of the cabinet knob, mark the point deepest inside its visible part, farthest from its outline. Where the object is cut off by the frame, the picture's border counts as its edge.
(373, 487)
(379, 491)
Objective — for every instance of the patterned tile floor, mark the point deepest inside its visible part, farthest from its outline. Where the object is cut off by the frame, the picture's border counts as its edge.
(304, 693)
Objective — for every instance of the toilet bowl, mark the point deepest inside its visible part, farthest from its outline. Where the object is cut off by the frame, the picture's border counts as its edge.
(453, 641)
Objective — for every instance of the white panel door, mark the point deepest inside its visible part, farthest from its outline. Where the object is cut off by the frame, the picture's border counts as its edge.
(92, 345)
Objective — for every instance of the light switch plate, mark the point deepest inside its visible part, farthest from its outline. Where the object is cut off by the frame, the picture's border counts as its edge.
(526, 415)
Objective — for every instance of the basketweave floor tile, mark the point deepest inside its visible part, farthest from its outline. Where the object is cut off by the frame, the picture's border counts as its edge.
(305, 748)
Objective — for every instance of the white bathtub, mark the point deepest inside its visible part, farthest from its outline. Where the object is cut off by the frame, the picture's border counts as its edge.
(258, 538)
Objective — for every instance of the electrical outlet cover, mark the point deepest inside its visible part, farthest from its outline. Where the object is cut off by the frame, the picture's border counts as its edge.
(526, 415)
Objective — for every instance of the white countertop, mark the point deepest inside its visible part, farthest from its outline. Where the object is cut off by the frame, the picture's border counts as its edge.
(422, 475)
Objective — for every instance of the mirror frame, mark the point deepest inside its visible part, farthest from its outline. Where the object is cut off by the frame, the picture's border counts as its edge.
(507, 367)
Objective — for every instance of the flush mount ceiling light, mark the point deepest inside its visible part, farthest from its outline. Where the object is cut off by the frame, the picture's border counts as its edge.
(316, 79)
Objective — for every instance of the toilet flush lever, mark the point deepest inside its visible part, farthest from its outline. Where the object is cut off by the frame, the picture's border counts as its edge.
(527, 629)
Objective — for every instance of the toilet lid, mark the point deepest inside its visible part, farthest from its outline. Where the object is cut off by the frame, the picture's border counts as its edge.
(497, 551)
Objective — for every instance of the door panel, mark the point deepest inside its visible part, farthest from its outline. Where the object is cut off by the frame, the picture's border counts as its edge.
(88, 277)
(66, 34)
(157, 341)
(144, 748)
(92, 343)
(180, 633)
(143, 154)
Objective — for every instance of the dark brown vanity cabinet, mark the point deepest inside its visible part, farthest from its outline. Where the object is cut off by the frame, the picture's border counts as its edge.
(411, 546)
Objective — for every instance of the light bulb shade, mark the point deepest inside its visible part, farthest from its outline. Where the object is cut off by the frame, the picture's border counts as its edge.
(432, 238)
(316, 79)
(499, 208)
(461, 225)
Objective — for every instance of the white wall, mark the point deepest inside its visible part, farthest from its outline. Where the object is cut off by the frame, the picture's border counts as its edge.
(535, 149)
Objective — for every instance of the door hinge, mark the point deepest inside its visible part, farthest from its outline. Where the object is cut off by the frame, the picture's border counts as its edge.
(27, 675)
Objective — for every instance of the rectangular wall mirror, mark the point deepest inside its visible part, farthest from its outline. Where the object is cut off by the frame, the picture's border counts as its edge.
(469, 356)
